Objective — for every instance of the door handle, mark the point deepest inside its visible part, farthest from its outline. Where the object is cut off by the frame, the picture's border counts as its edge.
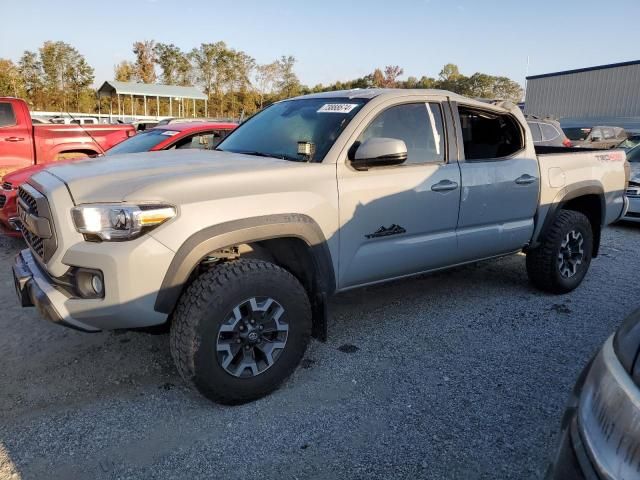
(525, 179)
(444, 186)
(14, 139)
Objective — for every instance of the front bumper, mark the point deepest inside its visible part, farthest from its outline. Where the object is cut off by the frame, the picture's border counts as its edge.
(601, 429)
(34, 288)
(633, 211)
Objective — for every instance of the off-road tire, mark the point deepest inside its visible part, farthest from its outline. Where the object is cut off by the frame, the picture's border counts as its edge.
(542, 262)
(203, 308)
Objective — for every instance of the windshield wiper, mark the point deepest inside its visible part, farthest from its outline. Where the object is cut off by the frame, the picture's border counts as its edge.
(279, 156)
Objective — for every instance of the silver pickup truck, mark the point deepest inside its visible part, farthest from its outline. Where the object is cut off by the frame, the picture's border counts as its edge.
(238, 249)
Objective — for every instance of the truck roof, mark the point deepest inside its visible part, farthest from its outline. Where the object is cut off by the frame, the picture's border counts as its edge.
(370, 93)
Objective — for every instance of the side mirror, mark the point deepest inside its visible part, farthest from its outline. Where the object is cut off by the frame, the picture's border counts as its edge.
(595, 139)
(379, 152)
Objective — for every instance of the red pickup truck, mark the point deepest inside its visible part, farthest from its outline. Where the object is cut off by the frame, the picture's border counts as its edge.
(23, 144)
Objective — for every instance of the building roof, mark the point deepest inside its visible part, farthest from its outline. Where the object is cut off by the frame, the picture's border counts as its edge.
(114, 87)
(582, 70)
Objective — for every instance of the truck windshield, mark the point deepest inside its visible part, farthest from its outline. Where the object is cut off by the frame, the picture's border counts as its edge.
(299, 130)
(142, 142)
(577, 134)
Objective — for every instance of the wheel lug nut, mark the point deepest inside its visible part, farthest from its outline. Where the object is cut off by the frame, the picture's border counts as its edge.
(261, 327)
(238, 341)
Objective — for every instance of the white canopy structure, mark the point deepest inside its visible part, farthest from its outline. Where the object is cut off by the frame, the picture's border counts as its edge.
(150, 91)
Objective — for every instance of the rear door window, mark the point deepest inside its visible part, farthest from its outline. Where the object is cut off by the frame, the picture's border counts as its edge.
(535, 132)
(7, 115)
(488, 135)
(549, 132)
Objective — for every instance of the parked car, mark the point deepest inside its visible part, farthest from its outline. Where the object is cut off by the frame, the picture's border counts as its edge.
(311, 196)
(600, 437)
(633, 189)
(23, 144)
(629, 142)
(178, 135)
(596, 137)
(547, 132)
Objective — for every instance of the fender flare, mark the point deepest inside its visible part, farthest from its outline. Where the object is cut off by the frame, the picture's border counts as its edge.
(247, 230)
(581, 189)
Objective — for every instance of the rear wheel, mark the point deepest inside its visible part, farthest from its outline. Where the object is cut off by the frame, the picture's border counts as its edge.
(240, 330)
(560, 263)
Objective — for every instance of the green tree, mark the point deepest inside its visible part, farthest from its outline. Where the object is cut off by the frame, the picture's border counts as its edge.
(65, 74)
(210, 61)
(145, 64)
(507, 89)
(174, 64)
(30, 70)
(288, 84)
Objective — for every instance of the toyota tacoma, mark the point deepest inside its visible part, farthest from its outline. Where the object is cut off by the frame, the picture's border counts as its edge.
(238, 249)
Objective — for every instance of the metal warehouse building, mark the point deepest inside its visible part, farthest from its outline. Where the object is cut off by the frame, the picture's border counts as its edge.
(605, 91)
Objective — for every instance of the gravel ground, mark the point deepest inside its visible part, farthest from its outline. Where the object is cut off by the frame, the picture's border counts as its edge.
(462, 374)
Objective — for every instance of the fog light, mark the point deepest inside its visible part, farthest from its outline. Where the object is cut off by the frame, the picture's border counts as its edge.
(96, 284)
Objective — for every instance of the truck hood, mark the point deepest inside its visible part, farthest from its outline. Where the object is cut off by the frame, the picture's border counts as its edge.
(117, 178)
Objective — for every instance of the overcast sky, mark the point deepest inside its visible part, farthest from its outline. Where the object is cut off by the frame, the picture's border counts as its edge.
(340, 40)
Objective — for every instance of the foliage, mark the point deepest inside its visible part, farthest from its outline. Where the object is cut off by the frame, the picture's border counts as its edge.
(58, 77)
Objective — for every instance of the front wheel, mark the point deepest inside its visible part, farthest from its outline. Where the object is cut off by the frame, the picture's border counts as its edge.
(240, 330)
(562, 260)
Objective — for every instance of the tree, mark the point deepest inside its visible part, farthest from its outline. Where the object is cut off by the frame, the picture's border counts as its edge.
(11, 82)
(145, 70)
(287, 83)
(30, 70)
(377, 80)
(80, 77)
(174, 64)
(210, 60)
(266, 76)
(125, 71)
(65, 73)
(479, 85)
(391, 74)
(507, 89)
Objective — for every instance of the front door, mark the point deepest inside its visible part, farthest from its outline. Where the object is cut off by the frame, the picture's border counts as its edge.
(401, 219)
(500, 185)
(16, 148)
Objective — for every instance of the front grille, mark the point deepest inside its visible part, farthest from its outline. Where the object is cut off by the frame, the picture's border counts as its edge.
(7, 186)
(35, 242)
(29, 200)
(3, 200)
(33, 204)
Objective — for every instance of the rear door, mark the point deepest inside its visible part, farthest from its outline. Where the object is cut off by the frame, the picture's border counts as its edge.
(500, 184)
(399, 220)
(16, 148)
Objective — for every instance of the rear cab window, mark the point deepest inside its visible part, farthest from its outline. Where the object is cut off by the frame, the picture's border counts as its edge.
(489, 135)
(7, 115)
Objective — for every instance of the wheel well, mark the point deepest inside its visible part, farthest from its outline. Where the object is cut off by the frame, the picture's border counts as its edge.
(68, 153)
(591, 207)
(294, 255)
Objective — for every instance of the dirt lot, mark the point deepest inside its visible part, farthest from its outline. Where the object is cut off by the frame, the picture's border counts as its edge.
(462, 374)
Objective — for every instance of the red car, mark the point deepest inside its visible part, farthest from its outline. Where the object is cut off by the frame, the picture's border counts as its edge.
(200, 135)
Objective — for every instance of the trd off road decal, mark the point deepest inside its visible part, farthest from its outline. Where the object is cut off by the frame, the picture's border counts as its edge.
(387, 231)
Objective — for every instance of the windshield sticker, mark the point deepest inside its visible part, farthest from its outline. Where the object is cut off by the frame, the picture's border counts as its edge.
(337, 107)
(170, 133)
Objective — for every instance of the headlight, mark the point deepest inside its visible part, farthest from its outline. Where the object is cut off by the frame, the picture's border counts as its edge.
(119, 221)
